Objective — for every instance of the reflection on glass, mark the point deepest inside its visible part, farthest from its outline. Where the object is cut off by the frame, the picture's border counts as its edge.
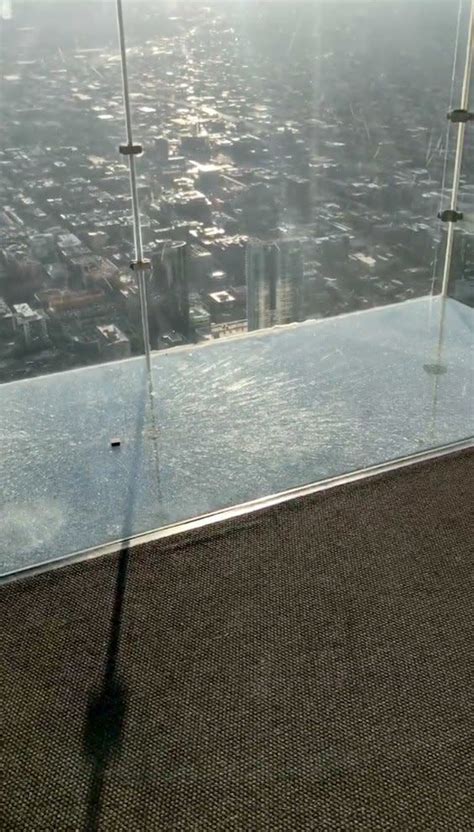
(312, 128)
(293, 167)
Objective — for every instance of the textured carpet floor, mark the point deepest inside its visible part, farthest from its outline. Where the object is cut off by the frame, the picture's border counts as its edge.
(309, 667)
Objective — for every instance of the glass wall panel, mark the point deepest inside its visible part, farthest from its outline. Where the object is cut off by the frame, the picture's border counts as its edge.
(296, 156)
(68, 298)
(295, 159)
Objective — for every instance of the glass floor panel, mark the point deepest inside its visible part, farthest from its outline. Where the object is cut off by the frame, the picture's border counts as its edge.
(229, 422)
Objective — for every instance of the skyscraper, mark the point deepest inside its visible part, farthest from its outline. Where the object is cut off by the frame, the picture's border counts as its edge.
(298, 197)
(260, 272)
(31, 325)
(274, 274)
(170, 275)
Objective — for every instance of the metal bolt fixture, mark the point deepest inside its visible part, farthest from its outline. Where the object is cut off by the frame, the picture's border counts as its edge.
(460, 116)
(450, 215)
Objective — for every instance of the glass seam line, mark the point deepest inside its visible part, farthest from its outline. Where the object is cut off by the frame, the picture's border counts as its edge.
(464, 105)
(447, 140)
(137, 232)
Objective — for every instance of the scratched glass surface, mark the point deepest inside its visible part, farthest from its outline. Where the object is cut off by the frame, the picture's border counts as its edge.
(230, 422)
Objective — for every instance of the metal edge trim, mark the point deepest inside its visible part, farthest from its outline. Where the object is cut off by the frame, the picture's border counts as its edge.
(233, 512)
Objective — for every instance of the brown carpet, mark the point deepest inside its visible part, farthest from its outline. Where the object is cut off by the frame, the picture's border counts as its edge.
(309, 667)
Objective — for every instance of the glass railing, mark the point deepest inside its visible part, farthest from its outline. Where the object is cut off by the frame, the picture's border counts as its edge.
(461, 272)
(289, 278)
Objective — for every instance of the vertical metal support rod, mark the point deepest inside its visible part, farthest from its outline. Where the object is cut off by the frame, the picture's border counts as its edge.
(140, 272)
(137, 231)
(464, 105)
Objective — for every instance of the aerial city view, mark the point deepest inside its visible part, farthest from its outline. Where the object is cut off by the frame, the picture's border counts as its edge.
(295, 158)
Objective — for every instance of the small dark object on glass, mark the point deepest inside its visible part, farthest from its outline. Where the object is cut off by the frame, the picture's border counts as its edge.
(460, 116)
(449, 215)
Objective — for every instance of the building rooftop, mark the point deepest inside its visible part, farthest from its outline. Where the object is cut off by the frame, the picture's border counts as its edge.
(24, 311)
(222, 297)
(111, 333)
